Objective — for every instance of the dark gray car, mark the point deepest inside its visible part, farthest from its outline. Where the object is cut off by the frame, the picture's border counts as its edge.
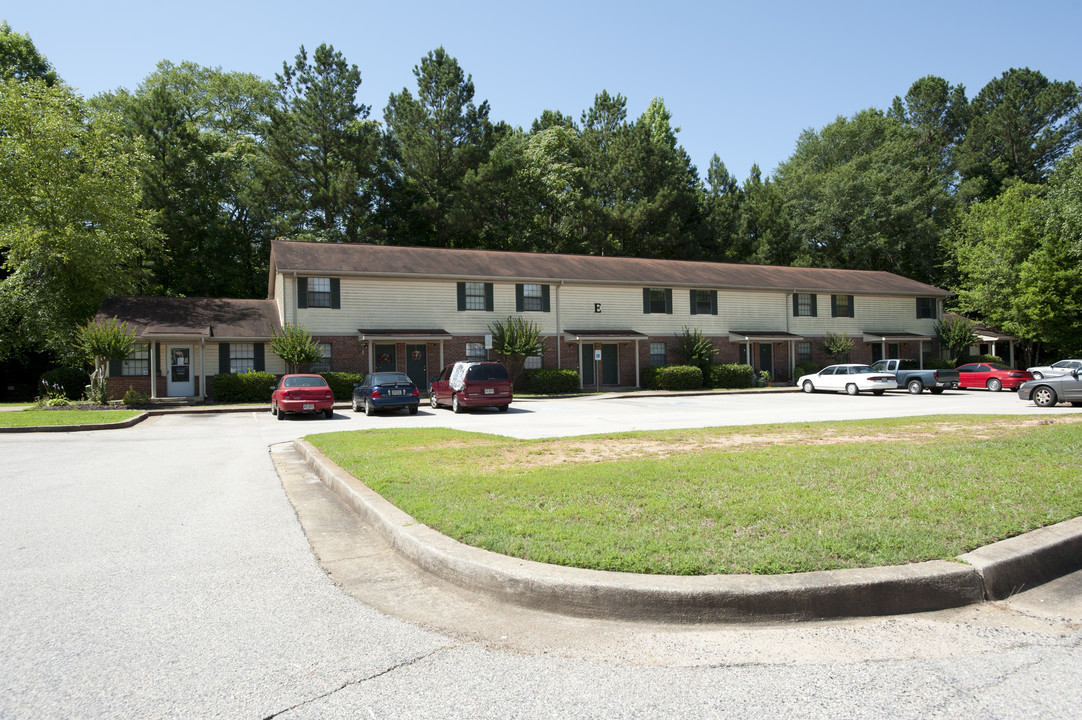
(1048, 391)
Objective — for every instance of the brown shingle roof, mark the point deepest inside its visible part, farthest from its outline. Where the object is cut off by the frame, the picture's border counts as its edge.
(209, 317)
(352, 259)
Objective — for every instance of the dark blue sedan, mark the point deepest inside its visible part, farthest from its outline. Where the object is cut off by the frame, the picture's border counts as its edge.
(386, 391)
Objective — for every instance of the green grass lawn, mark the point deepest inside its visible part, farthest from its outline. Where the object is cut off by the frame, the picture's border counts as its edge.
(763, 499)
(50, 418)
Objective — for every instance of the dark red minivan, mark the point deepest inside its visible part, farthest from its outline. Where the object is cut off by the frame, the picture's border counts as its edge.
(472, 384)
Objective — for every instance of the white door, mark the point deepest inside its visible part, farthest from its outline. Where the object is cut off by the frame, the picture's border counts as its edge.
(180, 378)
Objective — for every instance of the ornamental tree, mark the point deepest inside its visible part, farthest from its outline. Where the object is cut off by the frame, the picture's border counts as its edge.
(514, 340)
(295, 345)
(101, 342)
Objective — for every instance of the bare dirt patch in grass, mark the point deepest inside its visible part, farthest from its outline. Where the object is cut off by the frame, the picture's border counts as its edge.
(580, 450)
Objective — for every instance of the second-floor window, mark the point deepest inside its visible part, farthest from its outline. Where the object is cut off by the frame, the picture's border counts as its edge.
(704, 302)
(841, 306)
(927, 308)
(657, 300)
(318, 292)
(531, 297)
(804, 305)
(475, 296)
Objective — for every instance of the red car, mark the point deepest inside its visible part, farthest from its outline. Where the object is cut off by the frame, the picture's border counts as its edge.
(472, 384)
(302, 394)
(993, 376)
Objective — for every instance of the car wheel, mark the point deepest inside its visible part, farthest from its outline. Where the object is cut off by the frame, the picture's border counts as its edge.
(852, 389)
(936, 391)
(916, 387)
(274, 409)
(432, 400)
(328, 413)
(808, 387)
(281, 414)
(1038, 376)
(1044, 396)
(368, 409)
(502, 408)
(878, 392)
(356, 407)
(454, 404)
(413, 409)
(995, 384)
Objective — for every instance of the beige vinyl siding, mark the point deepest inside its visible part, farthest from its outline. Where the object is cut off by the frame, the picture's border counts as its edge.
(873, 313)
(280, 299)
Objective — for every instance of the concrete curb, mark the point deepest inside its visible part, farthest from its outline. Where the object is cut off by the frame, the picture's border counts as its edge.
(993, 572)
(78, 428)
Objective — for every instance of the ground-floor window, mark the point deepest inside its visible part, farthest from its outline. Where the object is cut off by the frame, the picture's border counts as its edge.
(658, 353)
(241, 357)
(475, 351)
(324, 365)
(533, 362)
(138, 362)
(803, 352)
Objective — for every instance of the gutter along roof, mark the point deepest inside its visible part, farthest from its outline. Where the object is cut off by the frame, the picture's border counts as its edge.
(306, 258)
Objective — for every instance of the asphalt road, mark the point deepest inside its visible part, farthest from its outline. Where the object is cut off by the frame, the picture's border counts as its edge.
(161, 571)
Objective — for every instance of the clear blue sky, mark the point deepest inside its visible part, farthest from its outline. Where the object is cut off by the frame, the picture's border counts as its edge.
(741, 79)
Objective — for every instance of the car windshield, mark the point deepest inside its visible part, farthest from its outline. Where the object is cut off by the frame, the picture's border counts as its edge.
(304, 382)
(389, 378)
(486, 372)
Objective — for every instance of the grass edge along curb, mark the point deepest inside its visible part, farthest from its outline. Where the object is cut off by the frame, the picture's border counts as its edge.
(931, 585)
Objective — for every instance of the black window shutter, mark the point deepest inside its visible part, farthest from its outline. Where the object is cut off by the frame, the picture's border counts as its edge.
(223, 358)
(302, 292)
(668, 301)
(833, 306)
(116, 368)
(336, 293)
(462, 296)
(796, 304)
(815, 305)
(519, 297)
(545, 302)
(260, 357)
(692, 298)
(489, 303)
(713, 302)
(646, 301)
(852, 309)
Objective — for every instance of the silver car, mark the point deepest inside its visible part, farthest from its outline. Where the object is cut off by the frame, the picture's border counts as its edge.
(1048, 391)
(1057, 368)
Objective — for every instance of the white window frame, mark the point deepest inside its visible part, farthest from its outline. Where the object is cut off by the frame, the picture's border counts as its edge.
(319, 292)
(658, 351)
(241, 357)
(475, 295)
(475, 351)
(137, 364)
(532, 300)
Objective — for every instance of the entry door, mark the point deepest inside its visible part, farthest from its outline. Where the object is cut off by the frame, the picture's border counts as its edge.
(180, 380)
(384, 360)
(417, 364)
(610, 364)
(766, 358)
(586, 364)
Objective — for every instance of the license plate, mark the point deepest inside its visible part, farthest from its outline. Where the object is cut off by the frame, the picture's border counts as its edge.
(309, 406)
(490, 391)
(397, 393)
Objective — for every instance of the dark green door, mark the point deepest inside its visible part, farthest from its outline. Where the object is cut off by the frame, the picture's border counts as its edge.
(766, 357)
(417, 365)
(384, 360)
(610, 364)
(586, 364)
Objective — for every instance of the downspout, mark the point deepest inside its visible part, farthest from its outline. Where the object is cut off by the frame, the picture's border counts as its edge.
(559, 332)
(294, 297)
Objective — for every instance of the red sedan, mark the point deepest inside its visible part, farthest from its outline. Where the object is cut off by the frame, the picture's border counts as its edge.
(993, 376)
(307, 394)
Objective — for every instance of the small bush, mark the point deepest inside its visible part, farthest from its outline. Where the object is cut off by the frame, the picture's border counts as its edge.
(245, 387)
(963, 359)
(134, 398)
(730, 376)
(71, 381)
(550, 381)
(672, 377)
(806, 368)
(342, 383)
(939, 364)
(764, 378)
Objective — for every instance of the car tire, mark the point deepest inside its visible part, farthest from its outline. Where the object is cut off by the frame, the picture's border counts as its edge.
(328, 413)
(915, 387)
(274, 409)
(432, 400)
(936, 391)
(852, 389)
(281, 415)
(1038, 376)
(1044, 396)
(808, 387)
(368, 409)
(356, 407)
(995, 384)
(878, 392)
(454, 404)
(413, 409)
(502, 408)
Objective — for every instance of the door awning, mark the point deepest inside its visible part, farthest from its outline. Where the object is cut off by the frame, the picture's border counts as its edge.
(406, 336)
(874, 337)
(743, 336)
(602, 335)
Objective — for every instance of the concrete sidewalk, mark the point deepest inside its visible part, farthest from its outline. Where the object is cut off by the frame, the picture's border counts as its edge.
(991, 573)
